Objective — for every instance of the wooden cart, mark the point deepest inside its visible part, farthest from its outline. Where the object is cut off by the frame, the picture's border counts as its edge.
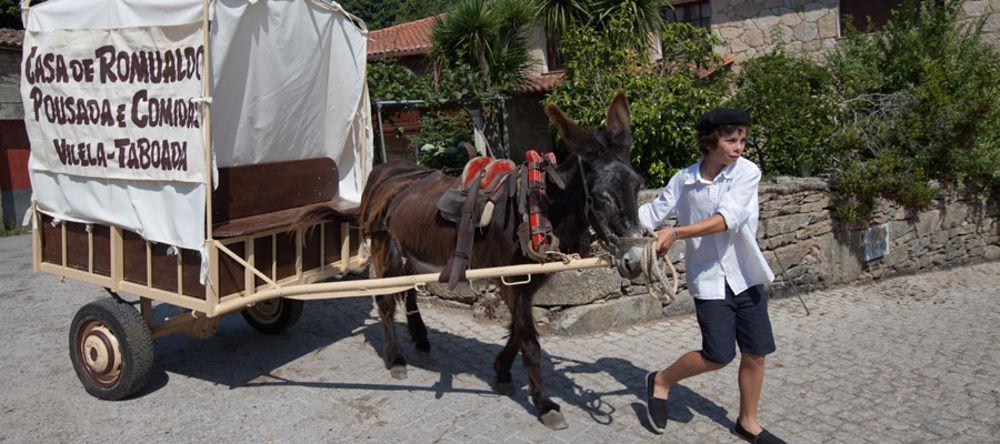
(258, 265)
(254, 261)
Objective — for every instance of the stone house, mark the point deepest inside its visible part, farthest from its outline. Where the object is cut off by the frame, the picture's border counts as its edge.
(811, 27)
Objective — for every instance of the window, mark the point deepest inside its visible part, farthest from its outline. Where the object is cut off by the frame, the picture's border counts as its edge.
(554, 59)
(861, 10)
(696, 13)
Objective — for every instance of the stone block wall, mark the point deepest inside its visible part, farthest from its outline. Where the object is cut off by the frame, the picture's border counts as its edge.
(10, 84)
(974, 10)
(807, 247)
(750, 28)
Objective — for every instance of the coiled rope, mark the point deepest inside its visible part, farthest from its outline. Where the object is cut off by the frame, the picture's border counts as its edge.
(653, 268)
(656, 276)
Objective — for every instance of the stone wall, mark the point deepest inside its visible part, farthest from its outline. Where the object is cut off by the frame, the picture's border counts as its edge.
(750, 28)
(973, 10)
(10, 80)
(807, 247)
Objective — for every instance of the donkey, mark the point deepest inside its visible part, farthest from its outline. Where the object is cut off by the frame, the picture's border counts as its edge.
(408, 236)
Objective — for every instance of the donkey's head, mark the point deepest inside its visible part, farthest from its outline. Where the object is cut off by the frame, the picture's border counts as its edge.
(612, 184)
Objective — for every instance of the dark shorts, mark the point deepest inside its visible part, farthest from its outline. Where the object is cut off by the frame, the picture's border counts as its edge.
(739, 319)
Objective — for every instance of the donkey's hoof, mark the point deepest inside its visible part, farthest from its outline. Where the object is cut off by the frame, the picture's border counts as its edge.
(505, 388)
(554, 420)
(398, 371)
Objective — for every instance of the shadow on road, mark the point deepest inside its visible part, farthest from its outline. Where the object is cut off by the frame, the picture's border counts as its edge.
(238, 356)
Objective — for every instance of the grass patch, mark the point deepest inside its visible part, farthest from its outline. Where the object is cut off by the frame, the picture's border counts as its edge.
(16, 231)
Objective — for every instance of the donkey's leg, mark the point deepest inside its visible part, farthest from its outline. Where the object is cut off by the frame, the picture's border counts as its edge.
(505, 359)
(531, 355)
(390, 343)
(415, 323)
(387, 262)
(503, 362)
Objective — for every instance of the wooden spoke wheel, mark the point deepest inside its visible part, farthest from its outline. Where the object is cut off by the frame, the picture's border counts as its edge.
(273, 315)
(111, 349)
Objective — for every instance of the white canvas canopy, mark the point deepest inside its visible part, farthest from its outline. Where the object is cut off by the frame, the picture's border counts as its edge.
(287, 83)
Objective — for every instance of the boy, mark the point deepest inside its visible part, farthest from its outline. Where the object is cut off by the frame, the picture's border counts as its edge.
(715, 201)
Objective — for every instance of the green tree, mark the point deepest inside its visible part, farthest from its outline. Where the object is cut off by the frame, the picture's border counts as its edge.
(791, 101)
(920, 99)
(10, 14)
(641, 17)
(665, 98)
(410, 10)
(377, 14)
(481, 49)
(558, 16)
(490, 36)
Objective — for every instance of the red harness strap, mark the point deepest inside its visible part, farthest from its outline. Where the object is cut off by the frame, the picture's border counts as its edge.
(541, 228)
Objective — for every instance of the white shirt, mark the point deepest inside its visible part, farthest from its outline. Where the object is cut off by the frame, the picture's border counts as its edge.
(731, 256)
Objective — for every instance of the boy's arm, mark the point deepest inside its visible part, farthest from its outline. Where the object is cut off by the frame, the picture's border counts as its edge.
(652, 214)
(733, 212)
(734, 206)
(709, 225)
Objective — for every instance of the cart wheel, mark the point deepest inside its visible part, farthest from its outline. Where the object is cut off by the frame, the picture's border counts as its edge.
(273, 315)
(111, 349)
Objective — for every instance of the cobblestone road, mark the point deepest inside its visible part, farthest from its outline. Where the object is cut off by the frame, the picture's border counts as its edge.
(903, 360)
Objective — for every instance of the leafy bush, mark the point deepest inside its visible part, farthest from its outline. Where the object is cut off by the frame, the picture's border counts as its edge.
(10, 14)
(665, 99)
(793, 108)
(441, 138)
(919, 98)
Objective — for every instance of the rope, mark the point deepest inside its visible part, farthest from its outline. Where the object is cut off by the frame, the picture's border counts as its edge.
(655, 274)
(654, 270)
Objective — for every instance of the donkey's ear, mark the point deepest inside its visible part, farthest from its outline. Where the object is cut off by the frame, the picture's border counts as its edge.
(578, 139)
(620, 124)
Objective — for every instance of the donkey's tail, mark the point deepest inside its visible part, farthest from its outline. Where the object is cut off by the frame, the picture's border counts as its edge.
(384, 184)
(317, 214)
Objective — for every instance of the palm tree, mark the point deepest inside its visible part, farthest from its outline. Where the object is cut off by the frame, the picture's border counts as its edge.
(645, 15)
(557, 16)
(490, 36)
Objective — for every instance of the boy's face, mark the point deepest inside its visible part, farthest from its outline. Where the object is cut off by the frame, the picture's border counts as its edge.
(730, 147)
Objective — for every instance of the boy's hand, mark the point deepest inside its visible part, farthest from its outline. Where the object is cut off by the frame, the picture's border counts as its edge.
(664, 239)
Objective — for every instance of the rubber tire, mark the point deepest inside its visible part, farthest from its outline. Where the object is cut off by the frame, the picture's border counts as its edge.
(134, 340)
(288, 316)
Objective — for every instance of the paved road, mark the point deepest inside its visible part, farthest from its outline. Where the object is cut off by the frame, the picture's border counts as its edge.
(903, 360)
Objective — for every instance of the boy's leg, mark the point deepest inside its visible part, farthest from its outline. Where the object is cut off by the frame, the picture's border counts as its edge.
(716, 319)
(751, 379)
(755, 338)
(689, 364)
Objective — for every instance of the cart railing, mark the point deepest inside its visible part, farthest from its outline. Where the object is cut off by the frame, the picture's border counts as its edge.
(70, 253)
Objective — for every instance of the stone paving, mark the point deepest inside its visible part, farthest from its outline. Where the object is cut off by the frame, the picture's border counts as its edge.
(903, 360)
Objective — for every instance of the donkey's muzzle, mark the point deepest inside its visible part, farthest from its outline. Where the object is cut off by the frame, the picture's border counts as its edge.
(630, 261)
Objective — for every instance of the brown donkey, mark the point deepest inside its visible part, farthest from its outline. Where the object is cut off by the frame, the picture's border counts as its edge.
(408, 236)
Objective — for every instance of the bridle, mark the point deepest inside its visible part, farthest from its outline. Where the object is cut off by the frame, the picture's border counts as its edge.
(608, 239)
(614, 244)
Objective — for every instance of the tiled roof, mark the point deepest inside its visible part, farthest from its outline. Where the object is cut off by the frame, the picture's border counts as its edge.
(11, 38)
(541, 82)
(410, 38)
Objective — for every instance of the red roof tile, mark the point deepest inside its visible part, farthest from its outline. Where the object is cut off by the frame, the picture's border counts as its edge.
(410, 38)
(11, 37)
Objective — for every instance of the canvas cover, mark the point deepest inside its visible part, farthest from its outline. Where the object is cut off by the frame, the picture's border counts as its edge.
(287, 83)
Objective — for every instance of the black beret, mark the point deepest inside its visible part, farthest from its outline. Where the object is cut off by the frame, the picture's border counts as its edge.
(719, 117)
